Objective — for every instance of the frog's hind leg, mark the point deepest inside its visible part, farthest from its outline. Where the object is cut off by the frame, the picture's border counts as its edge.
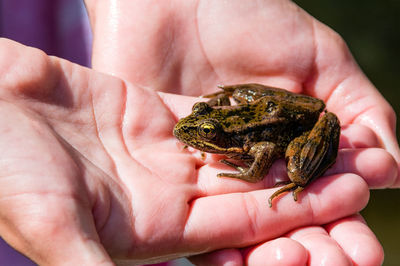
(311, 154)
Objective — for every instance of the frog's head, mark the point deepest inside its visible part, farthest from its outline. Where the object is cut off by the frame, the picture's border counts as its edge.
(199, 130)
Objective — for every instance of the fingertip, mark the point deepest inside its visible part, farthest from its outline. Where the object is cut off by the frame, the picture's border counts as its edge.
(396, 183)
(281, 251)
(384, 173)
(357, 240)
(375, 165)
(367, 254)
(226, 257)
(321, 247)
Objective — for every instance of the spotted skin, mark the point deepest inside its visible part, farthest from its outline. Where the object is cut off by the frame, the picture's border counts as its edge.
(265, 124)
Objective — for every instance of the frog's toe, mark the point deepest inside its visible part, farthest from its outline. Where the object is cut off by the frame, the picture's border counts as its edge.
(283, 189)
(242, 176)
(233, 165)
(223, 175)
(297, 191)
(230, 175)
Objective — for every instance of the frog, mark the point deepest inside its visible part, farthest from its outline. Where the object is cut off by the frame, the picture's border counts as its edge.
(265, 124)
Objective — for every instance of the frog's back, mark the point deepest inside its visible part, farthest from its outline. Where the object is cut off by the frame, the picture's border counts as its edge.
(270, 111)
(254, 91)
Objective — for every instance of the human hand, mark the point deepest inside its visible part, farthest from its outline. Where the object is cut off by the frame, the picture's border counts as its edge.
(190, 47)
(193, 48)
(90, 171)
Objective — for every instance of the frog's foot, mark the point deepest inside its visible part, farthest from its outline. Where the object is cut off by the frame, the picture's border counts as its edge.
(243, 172)
(290, 186)
(264, 154)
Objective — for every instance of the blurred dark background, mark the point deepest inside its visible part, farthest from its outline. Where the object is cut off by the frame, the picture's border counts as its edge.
(371, 29)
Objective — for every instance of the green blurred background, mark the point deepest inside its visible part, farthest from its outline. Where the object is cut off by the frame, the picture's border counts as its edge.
(371, 29)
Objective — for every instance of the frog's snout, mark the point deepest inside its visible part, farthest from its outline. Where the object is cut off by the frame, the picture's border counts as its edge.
(175, 131)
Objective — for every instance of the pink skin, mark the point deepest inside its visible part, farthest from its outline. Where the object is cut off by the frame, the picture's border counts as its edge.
(308, 246)
(190, 49)
(90, 160)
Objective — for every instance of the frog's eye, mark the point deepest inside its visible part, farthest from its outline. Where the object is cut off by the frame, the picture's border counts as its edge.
(270, 107)
(201, 108)
(207, 130)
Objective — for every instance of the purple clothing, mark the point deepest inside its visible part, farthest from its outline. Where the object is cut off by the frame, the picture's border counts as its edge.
(58, 27)
(8, 256)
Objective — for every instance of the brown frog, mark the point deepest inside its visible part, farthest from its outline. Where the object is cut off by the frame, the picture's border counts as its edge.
(266, 124)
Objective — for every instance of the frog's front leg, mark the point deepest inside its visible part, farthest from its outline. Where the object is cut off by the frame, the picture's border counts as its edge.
(311, 154)
(264, 154)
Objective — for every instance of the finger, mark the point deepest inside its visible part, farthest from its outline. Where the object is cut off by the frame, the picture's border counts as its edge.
(367, 108)
(241, 219)
(376, 166)
(378, 175)
(281, 251)
(378, 115)
(357, 240)
(358, 136)
(220, 257)
(356, 161)
(322, 249)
